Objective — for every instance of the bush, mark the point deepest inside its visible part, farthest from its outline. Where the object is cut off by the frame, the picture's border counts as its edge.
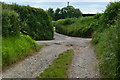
(38, 24)
(67, 21)
(107, 50)
(10, 23)
(98, 15)
(110, 15)
(81, 27)
(32, 21)
(106, 38)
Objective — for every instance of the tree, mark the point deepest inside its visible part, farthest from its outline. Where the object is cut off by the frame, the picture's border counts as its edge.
(67, 12)
(57, 14)
(78, 13)
(50, 12)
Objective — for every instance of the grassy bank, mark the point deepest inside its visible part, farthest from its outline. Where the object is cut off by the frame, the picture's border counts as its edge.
(16, 48)
(59, 67)
(81, 27)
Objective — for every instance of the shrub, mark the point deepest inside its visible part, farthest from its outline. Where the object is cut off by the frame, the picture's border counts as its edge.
(31, 21)
(106, 38)
(38, 24)
(107, 50)
(10, 23)
(81, 27)
(98, 15)
(110, 15)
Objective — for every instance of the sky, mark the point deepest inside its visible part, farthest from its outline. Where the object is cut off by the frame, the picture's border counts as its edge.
(86, 6)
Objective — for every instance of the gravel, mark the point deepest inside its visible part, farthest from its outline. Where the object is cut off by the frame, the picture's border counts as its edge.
(84, 64)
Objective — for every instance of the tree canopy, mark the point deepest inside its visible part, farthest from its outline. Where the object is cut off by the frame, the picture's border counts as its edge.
(66, 12)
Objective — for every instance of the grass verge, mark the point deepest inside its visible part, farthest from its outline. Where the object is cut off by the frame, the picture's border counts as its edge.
(59, 67)
(16, 48)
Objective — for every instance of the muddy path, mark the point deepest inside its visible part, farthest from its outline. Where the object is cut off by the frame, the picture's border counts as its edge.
(84, 64)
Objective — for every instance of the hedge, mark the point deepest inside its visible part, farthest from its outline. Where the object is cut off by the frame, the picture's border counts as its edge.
(33, 21)
(10, 23)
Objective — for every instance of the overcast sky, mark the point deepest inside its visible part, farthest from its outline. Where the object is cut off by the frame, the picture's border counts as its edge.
(86, 6)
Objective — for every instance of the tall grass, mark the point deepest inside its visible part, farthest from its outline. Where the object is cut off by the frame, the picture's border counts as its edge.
(16, 48)
(107, 50)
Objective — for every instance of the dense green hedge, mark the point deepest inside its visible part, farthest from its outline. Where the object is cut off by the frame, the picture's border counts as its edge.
(81, 27)
(37, 22)
(111, 14)
(107, 41)
(33, 22)
(10, 23)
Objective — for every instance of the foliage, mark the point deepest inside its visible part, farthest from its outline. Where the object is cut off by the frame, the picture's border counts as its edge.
(81, 27)
(106, 50)
(107, 41)
(98, 15)
(110, 14)
(67, 12)
(33, 22)
(59, 67)
(16, 48)
(10, 23)
(67, 21)
(38, 26)
(50, 12)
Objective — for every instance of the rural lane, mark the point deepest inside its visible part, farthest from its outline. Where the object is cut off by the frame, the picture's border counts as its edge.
(84, 64)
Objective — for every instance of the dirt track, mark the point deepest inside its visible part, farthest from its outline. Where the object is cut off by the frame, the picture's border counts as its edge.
(84, 64)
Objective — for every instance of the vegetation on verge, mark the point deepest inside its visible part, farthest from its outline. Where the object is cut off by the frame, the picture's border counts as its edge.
(16, 48)
(59, 67)
(105, 31)
(77, 27)
(17, 27)
(107, 41)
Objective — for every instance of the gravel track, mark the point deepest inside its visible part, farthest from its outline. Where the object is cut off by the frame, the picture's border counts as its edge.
(84, 64)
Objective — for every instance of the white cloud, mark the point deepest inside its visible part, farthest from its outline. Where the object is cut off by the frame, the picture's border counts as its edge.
(85, 8)
(57, 0)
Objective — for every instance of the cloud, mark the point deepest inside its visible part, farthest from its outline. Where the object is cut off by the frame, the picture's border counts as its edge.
(57, 0)
(86, 6)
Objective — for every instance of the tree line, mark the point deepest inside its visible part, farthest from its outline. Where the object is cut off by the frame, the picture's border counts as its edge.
(65, 12)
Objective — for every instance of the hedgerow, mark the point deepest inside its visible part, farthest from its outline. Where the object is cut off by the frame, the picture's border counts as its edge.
(107, 41)
(10, 24)
(81, 27)
(32, 21)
